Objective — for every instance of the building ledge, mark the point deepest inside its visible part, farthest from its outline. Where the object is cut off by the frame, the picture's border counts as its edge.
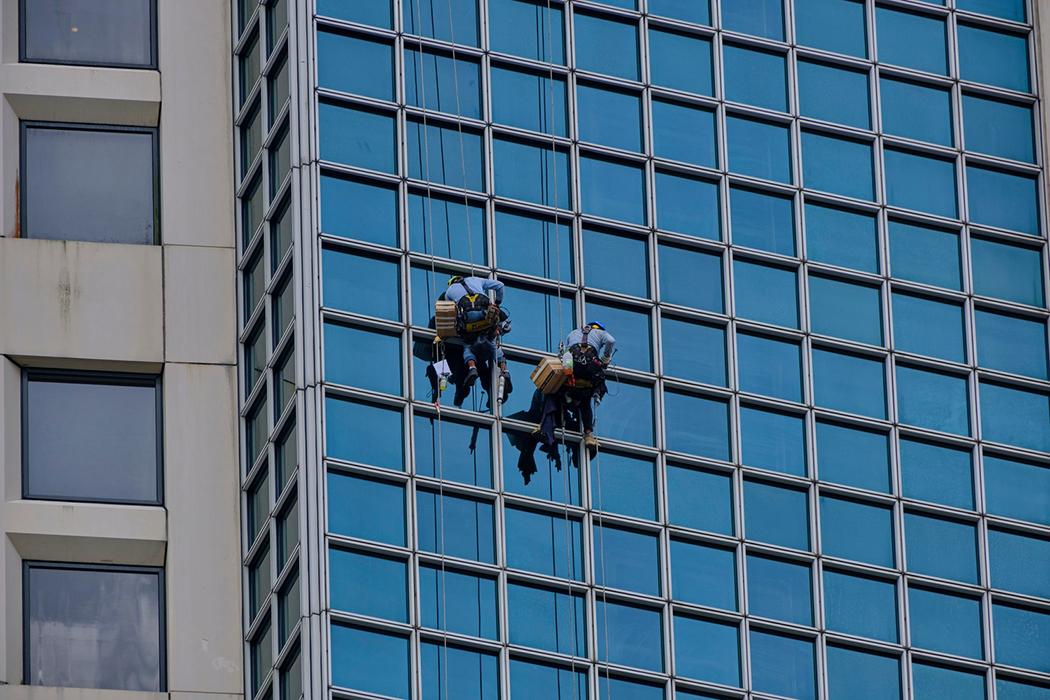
(85, 94)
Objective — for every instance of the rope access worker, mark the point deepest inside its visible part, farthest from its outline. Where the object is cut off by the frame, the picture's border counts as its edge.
(479, 322)
(589, 350)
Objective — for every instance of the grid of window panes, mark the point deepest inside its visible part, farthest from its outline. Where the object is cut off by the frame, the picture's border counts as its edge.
(270, 484)
(816, 232)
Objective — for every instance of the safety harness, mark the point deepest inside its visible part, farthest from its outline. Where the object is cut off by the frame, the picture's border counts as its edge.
(475, 313)
(587, 368)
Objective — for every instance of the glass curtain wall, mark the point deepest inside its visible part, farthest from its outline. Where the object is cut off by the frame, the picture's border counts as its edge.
(816, 229)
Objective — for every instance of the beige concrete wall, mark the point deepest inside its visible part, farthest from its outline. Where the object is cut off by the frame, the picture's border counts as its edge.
(167, 309)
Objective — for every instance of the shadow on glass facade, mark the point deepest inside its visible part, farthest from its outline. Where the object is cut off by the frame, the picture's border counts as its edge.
(816, 229)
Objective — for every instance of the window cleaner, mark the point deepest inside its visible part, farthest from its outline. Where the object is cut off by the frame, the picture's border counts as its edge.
(479, 321)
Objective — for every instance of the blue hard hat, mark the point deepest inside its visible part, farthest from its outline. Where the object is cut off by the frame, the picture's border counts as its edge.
(595, 324)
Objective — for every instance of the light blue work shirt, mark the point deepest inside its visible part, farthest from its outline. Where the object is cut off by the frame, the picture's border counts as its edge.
(602, 341)
(475, 285)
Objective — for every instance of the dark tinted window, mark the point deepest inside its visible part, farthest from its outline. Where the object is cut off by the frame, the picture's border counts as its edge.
(91, 437)
(92, 32)
(86, 184)
(94, 628)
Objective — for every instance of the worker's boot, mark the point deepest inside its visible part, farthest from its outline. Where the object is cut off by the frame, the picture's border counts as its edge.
(472, 375)
(592, 445)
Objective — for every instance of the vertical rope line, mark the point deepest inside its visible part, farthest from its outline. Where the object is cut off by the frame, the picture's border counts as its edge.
(459, 129)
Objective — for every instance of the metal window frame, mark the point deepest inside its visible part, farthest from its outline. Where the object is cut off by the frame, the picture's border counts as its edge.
(154, 37)
(92, 377)
(162, 623)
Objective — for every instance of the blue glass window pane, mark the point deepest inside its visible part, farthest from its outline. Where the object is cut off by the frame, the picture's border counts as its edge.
(1003, 200)
(857, 531)
(690, 278)
(945, 622)
(531, 173)
(375, 662)
(531, 29)
(1006, 9)
(448, 20)
(703, 575)
(356, 137)
(776, 515)
(943, 548)
(361, 284)
(451, 672)
(998, 128)
(633, 344)
(694, 351)
(770, 367)
(859, 605)
(832, 25)
(627, 413)
(545, 544)
(928, 327)
(707, 650)
(354, 209)
(1007, 271)
(371, 510)
(629, 635)
(696, 425)
(782, 665)
(925, 255)
(345, 346)
(911, 40)
(617, 263)
(534, 245)
(762, 221)
(1015, 416)
(537, 318)
(837, 165)
(680, 61)
(609, 117)
(619, 689)
(1019, 563)
(437, 82)
(1011, 343)
(457, 602)
(996, 58)
(845, 310)
(1022, 637)
(368, 585)
(759, 149)
(849, 383)
(529, 681)
(458, 527)
(594, 36)
(350, 427)
(626, 559)
(447, 228)
(758, 17)
(445, 155)
(861, 676)
(547, 619)
(612, 189)
(840, 237)
(528, 100)
(755, 77)
(336, 51)
(699, 499)
(916, 111)
(833, 94)
(766, 294)
(687, 205)
(853, 456)
(932, 400)
(556, 479)
(696, 11)
(684, 133)
(1017, 489)
(771, 440)
(931, 682)
(376, 12)
(1014, 690)
(936, 473)
(427, 286)
(625, 485)
(780, 590)
(920, 183)
(453, 451)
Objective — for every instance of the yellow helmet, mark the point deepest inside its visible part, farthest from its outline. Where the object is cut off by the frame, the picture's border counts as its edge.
(454, 278)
